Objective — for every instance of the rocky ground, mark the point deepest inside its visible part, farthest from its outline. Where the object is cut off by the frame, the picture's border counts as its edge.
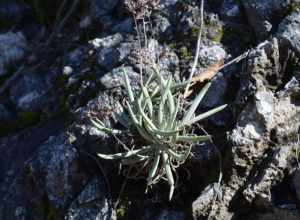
(61, 62)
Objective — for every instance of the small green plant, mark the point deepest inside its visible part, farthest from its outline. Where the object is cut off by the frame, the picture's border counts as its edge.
(156, 114)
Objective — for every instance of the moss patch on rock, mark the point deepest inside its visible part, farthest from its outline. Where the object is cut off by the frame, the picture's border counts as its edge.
(292, 7)
(185, 54)
(213, 32)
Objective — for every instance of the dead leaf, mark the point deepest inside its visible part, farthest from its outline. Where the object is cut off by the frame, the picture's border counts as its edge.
(208, 73)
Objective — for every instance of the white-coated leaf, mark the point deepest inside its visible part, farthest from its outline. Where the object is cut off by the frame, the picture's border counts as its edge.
(204, 115)
(128, 86)
(189, 114)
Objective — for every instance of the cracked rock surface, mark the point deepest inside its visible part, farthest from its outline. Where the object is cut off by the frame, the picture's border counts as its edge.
(61, 65)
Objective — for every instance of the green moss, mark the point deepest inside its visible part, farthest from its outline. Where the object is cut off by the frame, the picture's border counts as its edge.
(185, 54)
(214, 32)
(172, 46)
(218, 35)
(195, 31)
(292, 7)
(122, 208)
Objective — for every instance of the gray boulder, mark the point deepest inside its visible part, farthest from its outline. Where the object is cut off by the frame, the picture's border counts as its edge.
(104, 107)
(13, 47)
(29, 93)
(260, 14)
(99, 8)
(91, 204)
(20, 197)
(110, 51)
(266, 117)
(209, 55)
(109, 41)
(215, 96)
(57, 171)
(230, 9)
(115, 78)
(289, 31)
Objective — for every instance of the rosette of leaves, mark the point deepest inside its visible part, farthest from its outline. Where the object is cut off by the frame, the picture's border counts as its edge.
(156, 114)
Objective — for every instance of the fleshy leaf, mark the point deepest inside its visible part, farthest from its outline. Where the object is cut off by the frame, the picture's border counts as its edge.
(193, 138)
(154, 168)
(204, 115)
(189, 114)
(124, 155)
(128, 86)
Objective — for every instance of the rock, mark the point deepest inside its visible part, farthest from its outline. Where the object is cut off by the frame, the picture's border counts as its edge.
(125, 26)
(272, 115)
(104, 14)
(215, 96)
(57, 172)
(210, 55)
(266, 117)
(189, 24)
(79, 78)
(106, 42)
(167, 3)
(124, 50)
(110, 51)
(99, 8)
(260, 14)
(289, 31)
(16, 151)
(204, 201)
(292, 87)
(67, 70)
(168, 62)
(108, 58)
(104, 107)
(53, 180)
(29, 93)
(279, 165)
(189, 19)
(162, 27)
(213, 30)
(115, 78)
(296, 182)
(169, 8)
(263, 70)
(274, 214)
(92, 203)
(170, 215)
(230, 9)
(75, 59)
(13, 47)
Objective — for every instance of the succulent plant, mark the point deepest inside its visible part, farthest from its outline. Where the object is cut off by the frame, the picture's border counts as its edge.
(157, 115)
